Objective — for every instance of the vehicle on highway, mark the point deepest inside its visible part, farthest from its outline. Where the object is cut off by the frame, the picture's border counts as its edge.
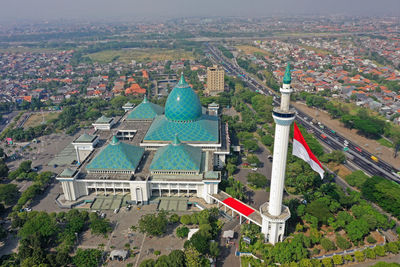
(358, 149)
(269, 157)
(345, 149)
(323, 136)
(374, 158)
(349, 156)
(254, 169)
(332, 131)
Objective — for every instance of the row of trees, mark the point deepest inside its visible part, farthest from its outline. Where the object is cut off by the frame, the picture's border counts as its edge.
(47, 239)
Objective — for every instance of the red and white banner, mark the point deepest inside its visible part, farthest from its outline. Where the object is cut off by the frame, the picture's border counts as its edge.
(301, 150)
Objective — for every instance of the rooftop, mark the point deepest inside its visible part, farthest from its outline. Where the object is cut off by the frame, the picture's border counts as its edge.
(85, 138)
(117, 156)
(103, 119)
(177, 156)
(145, 111)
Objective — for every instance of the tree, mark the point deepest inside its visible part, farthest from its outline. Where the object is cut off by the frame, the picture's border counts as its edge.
(182, 232)
(176, 258)
(356, 178)
(348, 258)
(357, 229)
(199, 242)
(25, 166)
(87, 258)
(8, 193)
(370, 253)
(214, 249)
(39, 224)
(342, 242)
(257, 180)
(148, 263)
(250, 145)
(360, 257)
(185, 219)
(3, 169)
(337, 259)
(327, 262)
(154, 224)
(99, 226)
(327, 244)
(174, 218)
(193, 257)
(380, 251)
(319, 209)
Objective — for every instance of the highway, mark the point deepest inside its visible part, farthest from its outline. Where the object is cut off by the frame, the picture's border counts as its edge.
(360, 158)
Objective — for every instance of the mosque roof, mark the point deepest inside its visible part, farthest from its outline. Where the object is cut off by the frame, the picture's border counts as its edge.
(182, 103)
(205, 129)
(177, 156)
(117, 156)
(145, 110)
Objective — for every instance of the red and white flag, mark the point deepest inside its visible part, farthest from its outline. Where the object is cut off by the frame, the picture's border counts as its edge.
(301, 150)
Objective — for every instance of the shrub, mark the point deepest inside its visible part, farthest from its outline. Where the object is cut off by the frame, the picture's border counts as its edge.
(328, 244)
(337, 259)
(327, 262)
(182, 232)
(371, 240)
(360, 257)
(157, 252)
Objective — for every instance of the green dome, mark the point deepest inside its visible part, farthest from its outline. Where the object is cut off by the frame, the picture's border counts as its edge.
(182, 104)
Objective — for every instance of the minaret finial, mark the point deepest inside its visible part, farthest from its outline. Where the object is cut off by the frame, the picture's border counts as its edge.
(182, 82)
(287, 78)
(145, 99)
(114, 140)
(176, 140)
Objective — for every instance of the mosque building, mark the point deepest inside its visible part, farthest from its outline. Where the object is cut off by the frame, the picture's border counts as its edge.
(153, 151)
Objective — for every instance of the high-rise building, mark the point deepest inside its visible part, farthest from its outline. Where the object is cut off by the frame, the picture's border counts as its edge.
(274, 214)
(215, 80)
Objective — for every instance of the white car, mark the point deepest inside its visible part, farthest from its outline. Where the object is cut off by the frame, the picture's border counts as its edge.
(254, 169)
(116, 211)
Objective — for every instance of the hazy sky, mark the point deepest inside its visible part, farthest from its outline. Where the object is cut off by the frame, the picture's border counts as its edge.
(96, 9)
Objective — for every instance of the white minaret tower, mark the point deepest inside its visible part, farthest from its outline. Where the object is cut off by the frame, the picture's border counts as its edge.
(274, 214)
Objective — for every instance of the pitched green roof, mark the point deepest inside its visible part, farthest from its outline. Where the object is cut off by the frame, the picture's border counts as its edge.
(117, 156)
(177, 156)
(68, 172)
(145, 110)
(205, 129)
(85, 138)
(287, 77)
(182, 104)
(103, 119)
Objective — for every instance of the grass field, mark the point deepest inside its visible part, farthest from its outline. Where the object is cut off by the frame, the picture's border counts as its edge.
(250, 50)
(140, 55)
(37, 118)
(385, 142)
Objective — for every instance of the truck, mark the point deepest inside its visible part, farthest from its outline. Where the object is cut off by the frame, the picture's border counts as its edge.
(323, 136)
(374, 158)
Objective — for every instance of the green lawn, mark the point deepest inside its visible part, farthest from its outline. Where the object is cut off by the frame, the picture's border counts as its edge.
(385, 142)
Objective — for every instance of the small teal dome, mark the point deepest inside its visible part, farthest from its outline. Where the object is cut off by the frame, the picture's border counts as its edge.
(182, 103)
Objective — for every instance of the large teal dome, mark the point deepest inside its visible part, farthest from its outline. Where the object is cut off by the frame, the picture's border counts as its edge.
(183, 103)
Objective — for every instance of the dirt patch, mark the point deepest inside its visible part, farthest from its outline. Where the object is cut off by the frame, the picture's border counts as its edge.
(369, 145)
(38, 118)
(340, 169)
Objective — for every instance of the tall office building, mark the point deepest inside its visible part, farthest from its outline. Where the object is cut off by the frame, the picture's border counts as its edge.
(215, 80)
(274, 214)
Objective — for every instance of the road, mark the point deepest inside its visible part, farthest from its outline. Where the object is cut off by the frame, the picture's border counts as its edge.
(7, 119)
(360, 158)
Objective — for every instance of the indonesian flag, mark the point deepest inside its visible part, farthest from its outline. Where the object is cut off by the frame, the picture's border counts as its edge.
(301, 150)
